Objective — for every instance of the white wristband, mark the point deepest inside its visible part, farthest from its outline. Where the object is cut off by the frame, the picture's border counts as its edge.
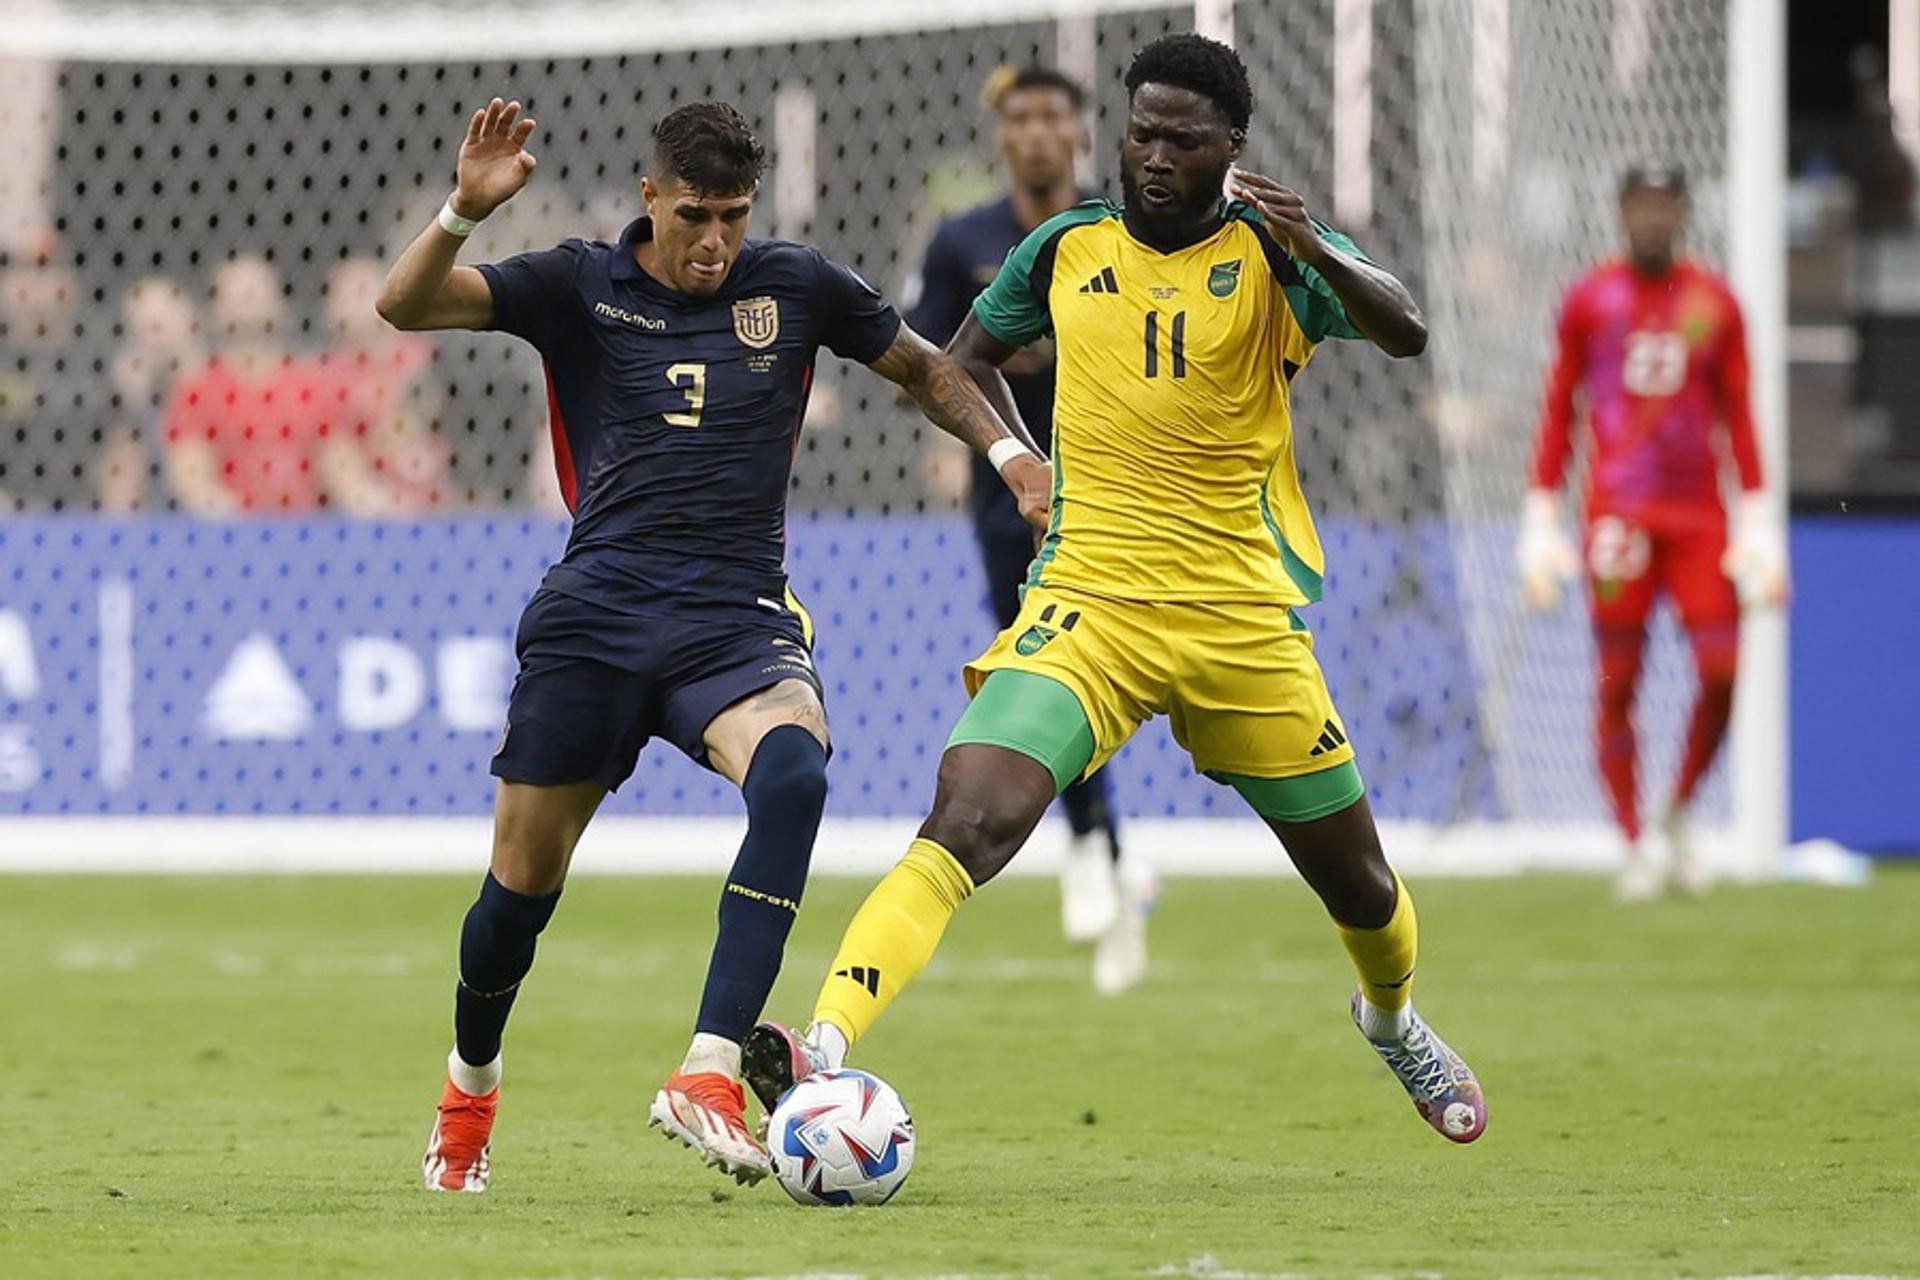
(1005, 450)
(453, 224)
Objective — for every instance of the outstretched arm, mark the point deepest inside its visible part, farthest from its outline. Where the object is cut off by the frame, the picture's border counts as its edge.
(957, 399)
(1377, 303)
(424, 290)
(1547, 558)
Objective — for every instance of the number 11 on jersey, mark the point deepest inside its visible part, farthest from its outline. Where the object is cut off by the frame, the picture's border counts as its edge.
(1177, 335)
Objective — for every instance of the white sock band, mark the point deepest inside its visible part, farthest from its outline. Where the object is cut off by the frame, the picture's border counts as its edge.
(1384, 1024)
(831, 1041)
(712, 1053)
(475, 1082)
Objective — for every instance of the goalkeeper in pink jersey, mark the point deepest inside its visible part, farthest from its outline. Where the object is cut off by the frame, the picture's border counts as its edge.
(1654, 347)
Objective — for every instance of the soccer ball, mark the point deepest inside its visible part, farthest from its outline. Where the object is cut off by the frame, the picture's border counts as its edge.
(841, 1138)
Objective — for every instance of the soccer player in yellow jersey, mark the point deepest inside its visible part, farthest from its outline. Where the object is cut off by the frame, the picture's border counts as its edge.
(1179, 549)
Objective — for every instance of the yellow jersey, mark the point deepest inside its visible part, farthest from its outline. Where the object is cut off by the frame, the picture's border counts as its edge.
(1173, 464)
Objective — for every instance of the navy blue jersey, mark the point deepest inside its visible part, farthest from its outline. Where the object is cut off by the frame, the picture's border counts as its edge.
(963, 259)
(675, 417)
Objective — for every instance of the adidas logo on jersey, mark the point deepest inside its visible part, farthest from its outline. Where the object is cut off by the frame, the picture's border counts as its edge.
(1331, 739)
(868, 978)
(1105, 282)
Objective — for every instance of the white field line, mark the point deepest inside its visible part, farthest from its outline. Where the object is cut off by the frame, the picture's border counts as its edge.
(637, 845)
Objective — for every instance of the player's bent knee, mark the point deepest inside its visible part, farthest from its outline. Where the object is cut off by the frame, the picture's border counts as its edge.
(987, 801)
(535, 829)
(788, 775)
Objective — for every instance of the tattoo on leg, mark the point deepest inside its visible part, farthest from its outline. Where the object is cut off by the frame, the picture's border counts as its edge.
(791, 702)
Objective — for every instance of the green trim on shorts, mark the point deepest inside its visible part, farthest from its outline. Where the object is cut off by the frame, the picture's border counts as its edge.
(1302, 798)
(1035, 715)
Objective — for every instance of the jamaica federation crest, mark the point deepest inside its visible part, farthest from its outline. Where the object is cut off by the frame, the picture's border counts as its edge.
(1035, 637)
(756, 321)
(1223, 278)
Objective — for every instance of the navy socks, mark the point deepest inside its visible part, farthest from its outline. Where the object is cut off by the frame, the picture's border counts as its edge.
(496, 951)
(785, 791)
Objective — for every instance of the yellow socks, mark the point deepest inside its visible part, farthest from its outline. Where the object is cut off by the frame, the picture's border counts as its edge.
(892, 937)
(1385, 956)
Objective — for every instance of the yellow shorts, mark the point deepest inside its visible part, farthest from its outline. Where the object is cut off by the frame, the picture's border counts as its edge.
(1239, 681)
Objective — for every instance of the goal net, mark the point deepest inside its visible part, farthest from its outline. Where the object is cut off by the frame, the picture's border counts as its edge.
(344, 664)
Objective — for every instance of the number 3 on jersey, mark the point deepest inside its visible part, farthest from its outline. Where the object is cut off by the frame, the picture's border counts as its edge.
(1656, 363)
(692, 380)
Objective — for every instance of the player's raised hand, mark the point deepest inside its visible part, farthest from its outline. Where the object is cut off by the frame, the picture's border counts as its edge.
(1031, 481)
(1283, 209)
(494, 160)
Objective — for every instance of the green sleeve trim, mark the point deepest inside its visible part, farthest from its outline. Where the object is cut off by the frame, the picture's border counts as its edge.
(1033, 714)
(1304, 575)
(1014, 307)
(1316, 308)
(1302, 798)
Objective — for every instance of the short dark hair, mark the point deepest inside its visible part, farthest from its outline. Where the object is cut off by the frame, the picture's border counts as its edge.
(1039, 77)
(1654, 175)
(1206, 67)
(710, 147)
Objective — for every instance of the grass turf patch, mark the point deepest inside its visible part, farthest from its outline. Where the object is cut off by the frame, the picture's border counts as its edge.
(235, 1076)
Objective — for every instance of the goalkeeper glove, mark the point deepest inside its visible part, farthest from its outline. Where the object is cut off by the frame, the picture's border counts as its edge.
(1756, 556)
(1546, 556)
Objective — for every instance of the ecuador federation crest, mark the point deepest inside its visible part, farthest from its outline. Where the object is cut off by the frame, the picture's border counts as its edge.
(756, 321)
(1223, 278)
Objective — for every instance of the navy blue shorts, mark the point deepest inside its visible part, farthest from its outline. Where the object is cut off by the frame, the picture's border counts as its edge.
(595, 685)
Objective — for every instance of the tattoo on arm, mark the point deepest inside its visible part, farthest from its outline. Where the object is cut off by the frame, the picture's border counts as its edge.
(949, 392)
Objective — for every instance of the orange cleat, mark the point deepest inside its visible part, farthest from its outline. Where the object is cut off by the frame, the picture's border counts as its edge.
(707, 1111)
(459, 1151)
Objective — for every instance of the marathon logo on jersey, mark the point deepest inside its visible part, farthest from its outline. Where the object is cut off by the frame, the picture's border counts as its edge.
(756, 321)
(624, 316)
(1223, 278)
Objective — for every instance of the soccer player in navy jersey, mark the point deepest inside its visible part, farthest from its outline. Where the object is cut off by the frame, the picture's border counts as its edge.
(1041, 132)
(678, 363)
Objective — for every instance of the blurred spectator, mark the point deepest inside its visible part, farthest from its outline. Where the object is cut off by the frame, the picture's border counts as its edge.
(53, 399)
(245, 431)
(160, 343)
(383, 456)
(1882, 172)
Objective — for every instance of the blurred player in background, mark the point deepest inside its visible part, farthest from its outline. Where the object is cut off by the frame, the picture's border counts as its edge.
(678, 362)
(1102, 899)
(245, 434)
(373, 384)
(1656, 343)
(1180, 548)
(160, 342)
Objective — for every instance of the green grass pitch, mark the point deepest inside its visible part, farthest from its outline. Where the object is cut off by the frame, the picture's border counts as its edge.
(234, 1077)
